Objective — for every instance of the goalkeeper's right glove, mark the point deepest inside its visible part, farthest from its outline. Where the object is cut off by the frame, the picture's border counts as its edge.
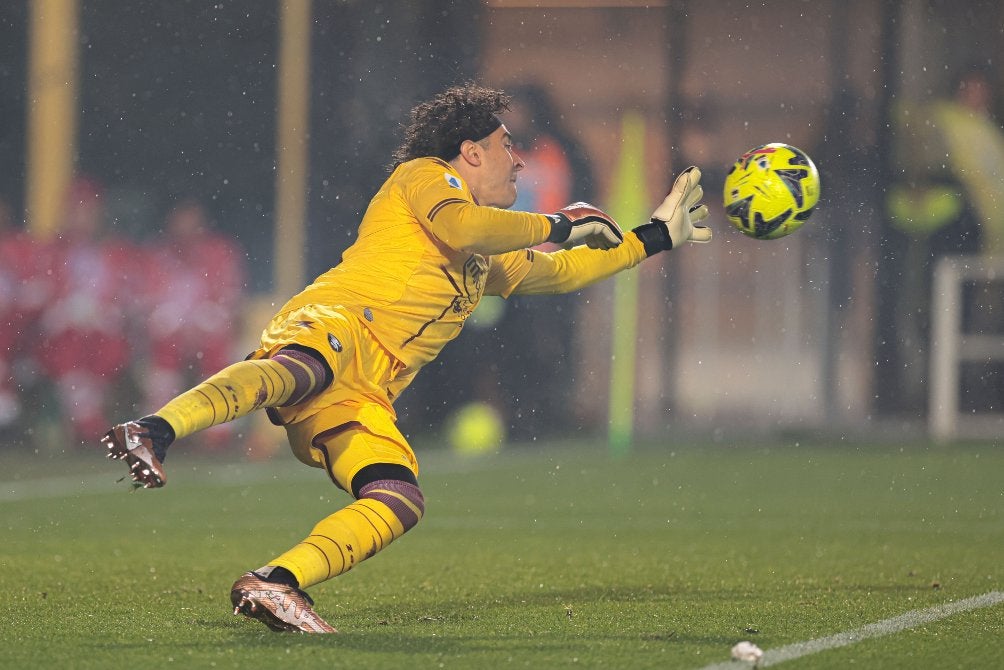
(673, 221)
(581, 223)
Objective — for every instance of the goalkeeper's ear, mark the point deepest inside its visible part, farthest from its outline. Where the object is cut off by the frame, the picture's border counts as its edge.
(673, 221)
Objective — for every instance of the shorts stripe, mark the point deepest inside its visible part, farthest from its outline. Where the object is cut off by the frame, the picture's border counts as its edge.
(318, 443)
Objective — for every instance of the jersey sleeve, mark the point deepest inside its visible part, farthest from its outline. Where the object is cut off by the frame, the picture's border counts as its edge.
(445, 207)
(506, 271)
(539, 273)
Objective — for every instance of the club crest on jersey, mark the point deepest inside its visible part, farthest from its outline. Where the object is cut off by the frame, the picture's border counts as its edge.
(453, 181)
(335, 343)
(473, 282)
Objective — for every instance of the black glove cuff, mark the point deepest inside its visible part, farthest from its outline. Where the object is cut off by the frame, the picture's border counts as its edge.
(655, 237)
(561, 228)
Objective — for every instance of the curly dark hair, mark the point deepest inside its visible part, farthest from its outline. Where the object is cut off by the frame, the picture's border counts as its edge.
(438, 127)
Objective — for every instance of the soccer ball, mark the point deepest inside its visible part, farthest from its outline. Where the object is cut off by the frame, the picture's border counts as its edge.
(771, 191)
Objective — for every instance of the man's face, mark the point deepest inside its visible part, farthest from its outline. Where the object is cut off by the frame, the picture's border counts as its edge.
(497, 186)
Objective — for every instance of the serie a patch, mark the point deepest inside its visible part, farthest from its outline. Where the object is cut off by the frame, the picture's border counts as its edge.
(453, 181)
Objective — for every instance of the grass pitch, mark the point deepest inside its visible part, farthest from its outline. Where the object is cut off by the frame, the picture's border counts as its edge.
(552, 557)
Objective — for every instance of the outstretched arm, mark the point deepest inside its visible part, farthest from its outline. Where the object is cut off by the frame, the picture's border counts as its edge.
(445, 206)
(465, 226)
(486, 230)
(572, 269)
(672, 224)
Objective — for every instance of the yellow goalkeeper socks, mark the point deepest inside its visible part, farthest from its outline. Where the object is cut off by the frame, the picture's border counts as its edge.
(385, 510)
(285, 379)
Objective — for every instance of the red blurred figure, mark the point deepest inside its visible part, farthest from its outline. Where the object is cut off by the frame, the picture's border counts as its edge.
(193, 284)
(84, 344)
(22, 292)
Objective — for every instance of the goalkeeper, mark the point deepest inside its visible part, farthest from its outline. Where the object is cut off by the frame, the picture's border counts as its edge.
(435, 238)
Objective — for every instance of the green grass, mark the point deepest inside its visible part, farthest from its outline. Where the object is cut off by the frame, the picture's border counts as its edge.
(553, 557)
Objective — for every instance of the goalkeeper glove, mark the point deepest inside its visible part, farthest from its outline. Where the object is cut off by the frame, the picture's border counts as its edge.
(581, 223)
(673, 221)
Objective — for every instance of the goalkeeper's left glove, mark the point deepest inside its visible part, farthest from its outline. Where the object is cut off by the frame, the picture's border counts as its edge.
(673, 221)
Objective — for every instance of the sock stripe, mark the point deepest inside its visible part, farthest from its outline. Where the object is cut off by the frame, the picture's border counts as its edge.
(280, 397)
(382, 517)
(209, 401)
(323, 553)
(347, 562)
(310, 375)
(375, 509)
(230, 413)
(230, 393)
(303, 378)
(356, 508)
(398, 496)
(267, 379)
(404, 499)
(383, 512)
(405, 511)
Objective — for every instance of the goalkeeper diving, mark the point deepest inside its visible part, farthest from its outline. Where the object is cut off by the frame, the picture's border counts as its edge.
(436, 237)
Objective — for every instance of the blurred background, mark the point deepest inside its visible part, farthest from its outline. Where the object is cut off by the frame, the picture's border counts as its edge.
(172, 172)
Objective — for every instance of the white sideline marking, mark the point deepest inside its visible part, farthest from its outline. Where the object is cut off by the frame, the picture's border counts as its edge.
(905, 621)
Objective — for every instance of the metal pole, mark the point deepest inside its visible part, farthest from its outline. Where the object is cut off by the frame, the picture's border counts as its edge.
(292, 161)
(52, 111)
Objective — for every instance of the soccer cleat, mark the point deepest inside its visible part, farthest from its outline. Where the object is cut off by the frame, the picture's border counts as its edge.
(281, 607)
(131, 442)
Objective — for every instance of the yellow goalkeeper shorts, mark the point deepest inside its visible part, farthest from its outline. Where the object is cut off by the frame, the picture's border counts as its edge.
(352, 423)
(343, 439)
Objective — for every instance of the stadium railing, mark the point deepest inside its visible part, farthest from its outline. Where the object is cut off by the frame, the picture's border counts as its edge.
(952, 347)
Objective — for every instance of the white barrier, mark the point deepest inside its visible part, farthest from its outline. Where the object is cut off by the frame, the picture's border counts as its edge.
(951, 347)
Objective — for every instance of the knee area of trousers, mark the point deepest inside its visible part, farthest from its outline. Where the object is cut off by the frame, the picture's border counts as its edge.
(404, 499)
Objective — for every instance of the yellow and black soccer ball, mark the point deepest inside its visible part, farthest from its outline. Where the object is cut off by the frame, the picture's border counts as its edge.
(771, 191)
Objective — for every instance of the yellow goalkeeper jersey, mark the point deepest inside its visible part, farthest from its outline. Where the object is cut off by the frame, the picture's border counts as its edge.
(426, 253)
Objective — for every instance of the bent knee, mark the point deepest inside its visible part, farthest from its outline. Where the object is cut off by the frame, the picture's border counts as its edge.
(404, 499)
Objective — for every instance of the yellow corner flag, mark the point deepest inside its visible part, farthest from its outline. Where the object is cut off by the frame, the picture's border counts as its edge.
(628, 205)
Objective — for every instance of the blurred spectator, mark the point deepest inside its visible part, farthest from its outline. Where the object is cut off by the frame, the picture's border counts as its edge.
(16, 264)
(974, 143)
(84, 345)
(193, 284)
(950, 170)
